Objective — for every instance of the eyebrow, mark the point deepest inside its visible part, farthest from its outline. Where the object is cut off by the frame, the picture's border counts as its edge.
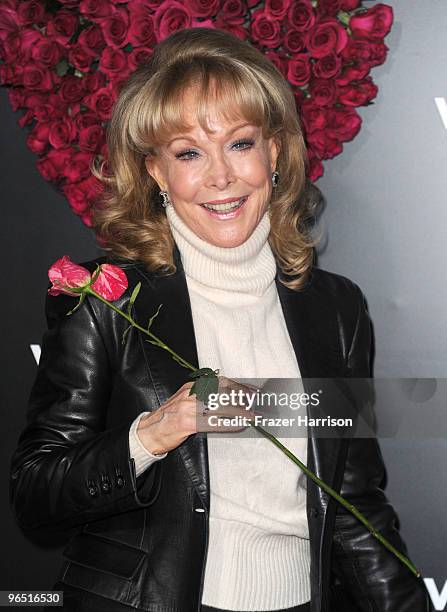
(237, 127)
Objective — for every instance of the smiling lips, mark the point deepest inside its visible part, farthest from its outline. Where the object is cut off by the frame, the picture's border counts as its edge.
(225, 206)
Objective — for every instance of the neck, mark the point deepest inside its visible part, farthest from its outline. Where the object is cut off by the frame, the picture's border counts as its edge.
(248, 268)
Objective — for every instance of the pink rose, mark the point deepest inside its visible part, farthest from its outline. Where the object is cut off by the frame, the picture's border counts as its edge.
(329, 8)
(327, 36)
(111, 282)
(264, 30)
(170, 17)
(80, 58)
(44, 108)
(79, 167)
(315, 167)
(349, 5)
(343, 123)
(71, 89)
(51, 166)
(301, 15)
(276, 9)
(141, 31)
(373, 24)
(324, 145)
(46, 52)
(356, 50)
(62, 133)
(10, 48)
(37, 78)
(28, 38)
(101, 101)
(379, 52)
(66, 276)
(8, 19)
(232, 9)
(203, 8)
(327, 67)
(113, 63)
(323, 92)
(81, 195)
(314, 117)
(235, 26)
(115, 28)
(91, 40)
(37, 139)
(357, 94)
(294, 41)
(30, 12)
(94, 81)
(91, 138)
(298, 72)
(70, 279)
(353, 73)
(62, 26)
(96, 9)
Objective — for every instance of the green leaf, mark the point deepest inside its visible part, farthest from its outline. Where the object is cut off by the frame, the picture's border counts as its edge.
(133, 297)
(203, 372)
(123, 339)
(62, 68)
(81, 299)
(204, 386)
(153, 317)
(96, 273)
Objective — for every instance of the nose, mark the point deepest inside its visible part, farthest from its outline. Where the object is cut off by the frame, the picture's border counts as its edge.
(220, 171)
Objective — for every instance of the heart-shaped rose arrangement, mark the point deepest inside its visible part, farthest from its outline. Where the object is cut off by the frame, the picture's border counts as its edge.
(64, 60)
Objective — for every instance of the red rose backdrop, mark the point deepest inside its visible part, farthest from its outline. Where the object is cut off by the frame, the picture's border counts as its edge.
(64, 60)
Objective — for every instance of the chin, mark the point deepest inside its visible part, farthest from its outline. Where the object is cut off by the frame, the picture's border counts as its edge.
(227, 243)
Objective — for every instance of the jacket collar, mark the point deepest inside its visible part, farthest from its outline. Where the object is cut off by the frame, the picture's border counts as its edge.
(313, 334)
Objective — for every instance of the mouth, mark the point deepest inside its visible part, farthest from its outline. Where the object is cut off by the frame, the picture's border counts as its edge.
(227, 210)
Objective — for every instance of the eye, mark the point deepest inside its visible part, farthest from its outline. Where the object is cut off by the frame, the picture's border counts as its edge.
(246, 143)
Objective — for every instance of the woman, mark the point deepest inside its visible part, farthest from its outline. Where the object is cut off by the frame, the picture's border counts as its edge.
(167, 519)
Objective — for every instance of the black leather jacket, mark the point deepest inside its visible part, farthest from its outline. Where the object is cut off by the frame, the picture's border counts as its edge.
(140, 540)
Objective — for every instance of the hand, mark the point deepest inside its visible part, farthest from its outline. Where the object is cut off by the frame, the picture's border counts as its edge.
(183, 415)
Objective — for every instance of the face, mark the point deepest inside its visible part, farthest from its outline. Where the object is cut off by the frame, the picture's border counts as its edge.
(201, 172)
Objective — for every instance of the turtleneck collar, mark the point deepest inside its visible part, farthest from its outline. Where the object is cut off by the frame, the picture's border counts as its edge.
(248, 268)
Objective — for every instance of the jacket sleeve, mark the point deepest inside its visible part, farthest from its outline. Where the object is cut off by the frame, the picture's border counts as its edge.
(373, 577)
(68, 468)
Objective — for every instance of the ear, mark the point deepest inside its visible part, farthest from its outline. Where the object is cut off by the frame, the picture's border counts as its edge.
(154, 170)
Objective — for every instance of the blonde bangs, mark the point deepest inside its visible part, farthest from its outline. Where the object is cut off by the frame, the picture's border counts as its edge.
(211, 82)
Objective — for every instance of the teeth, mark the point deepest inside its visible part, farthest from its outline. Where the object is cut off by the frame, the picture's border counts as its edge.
(225, 207)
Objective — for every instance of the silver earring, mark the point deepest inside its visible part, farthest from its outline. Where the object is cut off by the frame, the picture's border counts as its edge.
(165, 198)
(275, 179)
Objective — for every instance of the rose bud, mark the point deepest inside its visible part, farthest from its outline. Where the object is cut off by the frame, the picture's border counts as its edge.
(110, 283)
(66, 276)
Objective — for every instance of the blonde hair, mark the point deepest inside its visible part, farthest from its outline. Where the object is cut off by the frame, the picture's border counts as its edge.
(129, 221)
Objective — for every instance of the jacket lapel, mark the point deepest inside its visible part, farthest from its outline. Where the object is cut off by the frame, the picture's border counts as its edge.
(174, 325)
(313, 330)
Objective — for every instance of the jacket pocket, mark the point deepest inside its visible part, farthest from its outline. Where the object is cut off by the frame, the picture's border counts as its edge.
(104, 555)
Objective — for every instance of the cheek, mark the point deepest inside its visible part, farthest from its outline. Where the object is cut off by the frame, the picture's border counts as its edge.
(255, 171)
(184, 181)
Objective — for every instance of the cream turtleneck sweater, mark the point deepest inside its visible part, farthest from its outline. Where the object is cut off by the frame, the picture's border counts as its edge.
(258, 552)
